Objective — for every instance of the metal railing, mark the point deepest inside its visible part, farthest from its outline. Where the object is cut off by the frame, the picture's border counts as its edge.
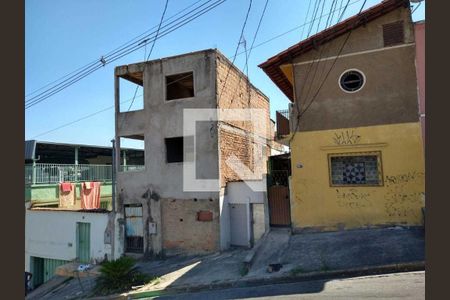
(42, 173)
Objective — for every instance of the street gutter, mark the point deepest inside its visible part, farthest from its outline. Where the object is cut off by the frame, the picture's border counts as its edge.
(288, 278)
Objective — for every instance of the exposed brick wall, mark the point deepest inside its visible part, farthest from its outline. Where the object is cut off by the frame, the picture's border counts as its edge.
(233, 92)
(235, 137)
(182, 232)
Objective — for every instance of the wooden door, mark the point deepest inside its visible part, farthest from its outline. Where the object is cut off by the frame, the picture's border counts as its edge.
(279, 206)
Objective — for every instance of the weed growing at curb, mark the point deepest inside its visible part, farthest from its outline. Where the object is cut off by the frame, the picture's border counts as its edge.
(297, 270)
(243, 270)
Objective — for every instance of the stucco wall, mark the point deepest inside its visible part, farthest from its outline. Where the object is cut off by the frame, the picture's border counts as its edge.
(160, 181)
(162, 119)
(389, 94)
(315, 204)
(239, 192)
(52, 234)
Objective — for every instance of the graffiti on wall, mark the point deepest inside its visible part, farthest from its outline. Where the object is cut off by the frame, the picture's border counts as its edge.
(346, 137)
(402, 197)
(353, 199)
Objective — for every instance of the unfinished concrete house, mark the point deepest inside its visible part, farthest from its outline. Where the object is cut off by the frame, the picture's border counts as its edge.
(157, 213)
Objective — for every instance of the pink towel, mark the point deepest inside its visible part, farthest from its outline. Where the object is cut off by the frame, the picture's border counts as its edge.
(90, 197)
(66, 186)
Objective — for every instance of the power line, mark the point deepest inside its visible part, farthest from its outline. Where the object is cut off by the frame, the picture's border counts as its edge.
(151, 49)
(247, 56)
(179, 22)
(329, 71)
(231, 57)
(130, 41)
(80, 119)
(300, 114)
(118, 54)
(237, 48)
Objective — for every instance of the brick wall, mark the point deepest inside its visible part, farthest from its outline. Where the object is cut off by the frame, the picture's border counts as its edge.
(182, 232)
(236, 137)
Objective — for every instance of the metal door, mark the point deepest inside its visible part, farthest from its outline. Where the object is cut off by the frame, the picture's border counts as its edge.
(83, 242)
(134, 229)
(43, 269)
(239, 225)
(279, 206)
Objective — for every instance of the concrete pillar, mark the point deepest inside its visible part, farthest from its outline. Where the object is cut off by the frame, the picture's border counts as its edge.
(124, 158)
(76, 163)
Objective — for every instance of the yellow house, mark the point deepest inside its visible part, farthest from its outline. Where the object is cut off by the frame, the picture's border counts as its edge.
(356, 146)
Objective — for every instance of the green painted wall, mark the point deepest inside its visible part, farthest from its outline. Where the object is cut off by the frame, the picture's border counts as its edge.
(49, 193)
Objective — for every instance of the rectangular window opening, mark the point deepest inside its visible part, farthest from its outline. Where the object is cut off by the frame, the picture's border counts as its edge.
(132, 153)
(355, 169)
(131, 93)
(179, 86)
(174, 149)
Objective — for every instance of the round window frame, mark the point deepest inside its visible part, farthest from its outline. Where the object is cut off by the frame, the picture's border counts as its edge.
(350, 70)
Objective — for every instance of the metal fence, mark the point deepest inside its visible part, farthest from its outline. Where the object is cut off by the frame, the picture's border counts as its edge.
(54, 173)
(42, 173)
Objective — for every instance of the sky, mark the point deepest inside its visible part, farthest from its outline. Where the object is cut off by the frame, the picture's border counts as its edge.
(62, 36)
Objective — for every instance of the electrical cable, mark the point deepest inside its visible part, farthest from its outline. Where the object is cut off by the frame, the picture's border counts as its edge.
(118, 54)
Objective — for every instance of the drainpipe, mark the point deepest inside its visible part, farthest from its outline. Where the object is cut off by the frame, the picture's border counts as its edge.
(76, 164)
(125, 159)
(33, 175)
(113, 176)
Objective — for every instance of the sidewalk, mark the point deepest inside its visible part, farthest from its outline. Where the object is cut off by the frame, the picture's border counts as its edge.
(300, 257)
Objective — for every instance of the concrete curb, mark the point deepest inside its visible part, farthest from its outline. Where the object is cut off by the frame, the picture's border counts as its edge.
(288, 278)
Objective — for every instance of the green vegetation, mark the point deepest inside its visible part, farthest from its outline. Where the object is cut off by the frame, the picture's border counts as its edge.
(297, 270)
(243, 270)
(119, 276)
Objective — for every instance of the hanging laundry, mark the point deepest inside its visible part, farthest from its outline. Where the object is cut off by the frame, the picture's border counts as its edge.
(67, 195)
(66, 186)
(90, 195)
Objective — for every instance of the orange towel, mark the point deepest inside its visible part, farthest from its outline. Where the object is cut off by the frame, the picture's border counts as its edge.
(66, 198)
(90, 197)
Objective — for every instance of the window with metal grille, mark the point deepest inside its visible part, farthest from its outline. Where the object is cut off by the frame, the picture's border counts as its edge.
(180, 86)
(351, 81)
(355, 169)
(393, 33)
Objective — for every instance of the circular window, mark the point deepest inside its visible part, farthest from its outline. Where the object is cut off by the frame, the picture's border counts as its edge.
(352, 81)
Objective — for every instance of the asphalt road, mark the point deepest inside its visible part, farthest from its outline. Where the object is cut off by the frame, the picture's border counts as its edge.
(409, 285)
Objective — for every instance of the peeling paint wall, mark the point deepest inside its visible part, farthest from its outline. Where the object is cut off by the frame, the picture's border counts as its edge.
(317, 205)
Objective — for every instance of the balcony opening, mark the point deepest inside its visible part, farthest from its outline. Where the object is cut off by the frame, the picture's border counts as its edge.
(282, 117)
(132, 153)
(180, 86)
(131, 93)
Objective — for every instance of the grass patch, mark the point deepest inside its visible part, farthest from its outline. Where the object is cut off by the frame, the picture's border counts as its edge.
(119, 276)
(324, 265)
(243, 270)
(297, 271)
